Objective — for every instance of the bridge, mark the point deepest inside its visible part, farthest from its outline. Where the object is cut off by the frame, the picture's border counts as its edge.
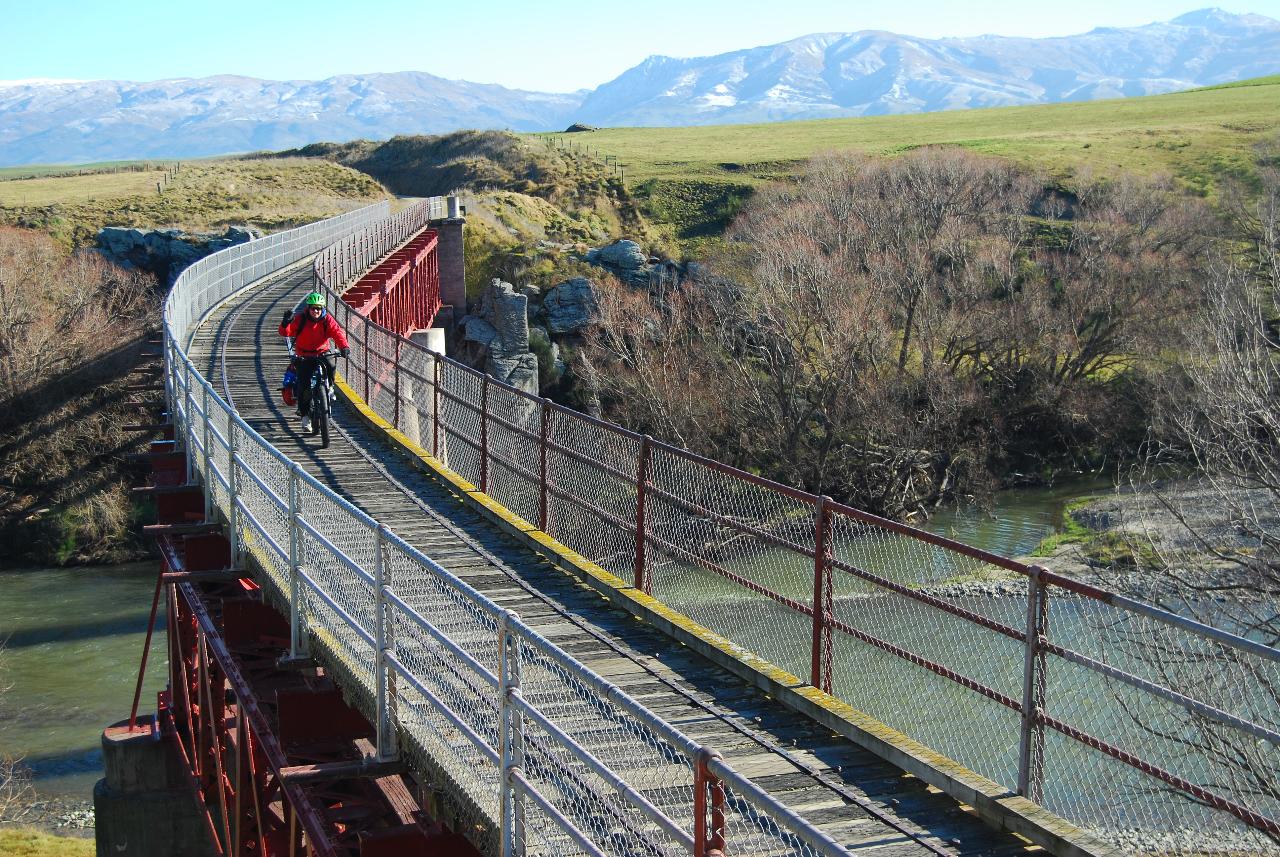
(481, 622)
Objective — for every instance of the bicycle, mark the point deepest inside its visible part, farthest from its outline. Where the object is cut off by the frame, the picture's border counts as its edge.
(322, 393)
(322, 396)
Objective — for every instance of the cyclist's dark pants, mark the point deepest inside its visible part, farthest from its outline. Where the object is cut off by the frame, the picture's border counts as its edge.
(306, 367)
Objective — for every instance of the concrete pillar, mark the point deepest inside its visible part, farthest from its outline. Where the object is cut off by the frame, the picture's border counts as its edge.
(419, 429)
(144, 806)
(453, 281)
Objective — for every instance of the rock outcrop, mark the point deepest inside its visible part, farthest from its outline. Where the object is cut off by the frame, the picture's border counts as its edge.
(166, 252)
(624, 259)
(570, 307)
(496, 337)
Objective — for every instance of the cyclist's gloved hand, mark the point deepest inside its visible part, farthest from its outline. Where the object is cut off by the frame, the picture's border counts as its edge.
(345, 352)
(288, 315)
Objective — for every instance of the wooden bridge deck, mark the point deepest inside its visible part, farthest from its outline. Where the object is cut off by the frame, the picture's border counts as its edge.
(859, 799)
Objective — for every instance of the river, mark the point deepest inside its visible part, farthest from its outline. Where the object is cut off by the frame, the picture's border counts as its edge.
(75, 640)
(73, 643)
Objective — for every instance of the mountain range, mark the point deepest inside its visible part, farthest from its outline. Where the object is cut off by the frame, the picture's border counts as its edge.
(822, 75)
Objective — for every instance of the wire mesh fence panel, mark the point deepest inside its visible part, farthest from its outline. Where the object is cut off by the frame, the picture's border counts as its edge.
(752, 829)
(220, 456)
(515, 451)
(460, 400)
(382, 373)
(355, 368)
(591, 491)
(931, 639)
(338, 580)
(417, 396)
(263, 525)
(735, 556)
(442, 683)
(629, 750)
(1204, 712)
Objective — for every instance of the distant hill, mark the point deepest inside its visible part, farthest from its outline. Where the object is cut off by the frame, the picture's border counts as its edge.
(816, 76)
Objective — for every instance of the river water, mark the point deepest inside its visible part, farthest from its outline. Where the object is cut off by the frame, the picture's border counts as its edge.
(73, 643)
(75, 639)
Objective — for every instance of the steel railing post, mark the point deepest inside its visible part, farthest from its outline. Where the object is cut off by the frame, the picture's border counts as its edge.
(386, 730)
(640, 576)
(435, 405)
(820, 665)
(396, 420)
(208, 466)
(484, 435)
(233, 511)
(1031, 739)
(298, 644)
(708, 807)
(510, 739)
(543, 476)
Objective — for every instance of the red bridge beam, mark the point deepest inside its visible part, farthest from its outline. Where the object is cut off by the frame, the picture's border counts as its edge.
(278, 762)
(402, 291)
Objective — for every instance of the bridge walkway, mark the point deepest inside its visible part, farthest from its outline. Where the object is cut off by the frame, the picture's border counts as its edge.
(864, 802)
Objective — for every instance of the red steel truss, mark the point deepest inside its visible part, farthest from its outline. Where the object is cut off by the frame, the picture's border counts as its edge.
(402, 292)
(280, 764)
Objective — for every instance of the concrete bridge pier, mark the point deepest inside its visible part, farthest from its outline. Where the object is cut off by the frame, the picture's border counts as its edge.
(453, 282)
(144, 806)
(419, 429)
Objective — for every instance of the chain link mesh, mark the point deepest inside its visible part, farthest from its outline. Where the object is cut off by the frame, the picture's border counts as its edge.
(591, 493)
(739, 556)
(515, 453)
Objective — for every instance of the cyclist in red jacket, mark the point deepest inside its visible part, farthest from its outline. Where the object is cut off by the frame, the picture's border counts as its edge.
(311, 330)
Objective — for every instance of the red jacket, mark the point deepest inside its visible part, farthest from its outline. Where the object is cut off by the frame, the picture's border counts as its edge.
(311, 338)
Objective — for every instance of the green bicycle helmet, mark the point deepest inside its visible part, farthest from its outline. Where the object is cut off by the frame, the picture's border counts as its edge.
(314, 299)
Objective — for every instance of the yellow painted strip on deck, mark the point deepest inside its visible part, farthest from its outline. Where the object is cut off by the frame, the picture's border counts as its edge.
(993, 801)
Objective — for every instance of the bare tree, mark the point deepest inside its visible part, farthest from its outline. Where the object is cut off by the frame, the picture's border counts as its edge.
(893, 331)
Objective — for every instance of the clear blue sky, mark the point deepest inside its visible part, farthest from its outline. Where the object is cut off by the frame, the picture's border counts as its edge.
(549, 45)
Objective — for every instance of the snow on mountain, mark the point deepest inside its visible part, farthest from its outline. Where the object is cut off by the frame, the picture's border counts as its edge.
(816, 76)
(872, 72)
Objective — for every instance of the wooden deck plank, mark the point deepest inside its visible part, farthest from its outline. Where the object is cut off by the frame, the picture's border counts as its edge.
(705, 702)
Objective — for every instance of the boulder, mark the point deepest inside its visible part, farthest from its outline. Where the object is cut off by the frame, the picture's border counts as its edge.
(507, 311)
(165, 252)
(571, 307)
(518, 370)
(496, 337)
(625, 255)
(478, 331)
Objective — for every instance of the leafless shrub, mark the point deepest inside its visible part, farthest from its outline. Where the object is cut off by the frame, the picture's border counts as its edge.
(893, 332)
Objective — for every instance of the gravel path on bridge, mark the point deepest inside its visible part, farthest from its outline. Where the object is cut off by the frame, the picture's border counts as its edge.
(707, 703)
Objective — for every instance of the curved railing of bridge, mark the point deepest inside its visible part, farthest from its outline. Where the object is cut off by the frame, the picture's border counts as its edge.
(549, 757)
(1156, 730)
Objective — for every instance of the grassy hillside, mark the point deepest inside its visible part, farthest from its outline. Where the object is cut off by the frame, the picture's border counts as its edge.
(79, 188)
(694, 177)
(201, 195)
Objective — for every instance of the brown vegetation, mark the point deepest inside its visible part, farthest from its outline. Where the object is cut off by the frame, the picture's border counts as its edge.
(894, 332)
(70, 328)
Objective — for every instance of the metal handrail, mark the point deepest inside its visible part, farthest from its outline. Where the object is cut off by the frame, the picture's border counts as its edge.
(241, 459)
(520, 484)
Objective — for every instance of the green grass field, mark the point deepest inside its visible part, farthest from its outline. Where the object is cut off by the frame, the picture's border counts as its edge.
(1195, 136)
(202, 195)
(27, 842)
(31, 171)
(81, 188)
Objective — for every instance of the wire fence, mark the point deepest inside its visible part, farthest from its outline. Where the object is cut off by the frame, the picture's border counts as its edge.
(545, 756)
(1158, 732)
